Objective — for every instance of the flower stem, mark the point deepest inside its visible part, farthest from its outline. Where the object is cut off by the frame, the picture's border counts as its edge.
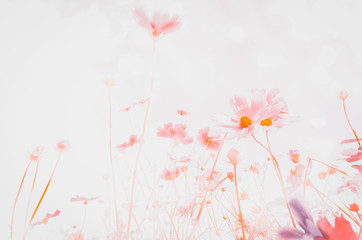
(237, 200)
(141, 142)
(111, 159)
(278, 172)
(349, 123)
(16, 200)
(45, 190)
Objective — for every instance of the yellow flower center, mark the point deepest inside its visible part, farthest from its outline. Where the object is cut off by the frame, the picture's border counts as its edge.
(266, 122)
(245, 122)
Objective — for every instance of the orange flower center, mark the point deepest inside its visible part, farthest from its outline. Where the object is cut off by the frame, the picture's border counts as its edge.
(155, 33)
(266, 122)
(245, 122)
(208, 141)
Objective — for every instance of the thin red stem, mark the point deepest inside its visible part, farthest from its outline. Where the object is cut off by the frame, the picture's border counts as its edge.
(278, 172)
(45, 190)
(16, 200)
(111, 160)
(349, 123)
(141, 143)
(237, 199)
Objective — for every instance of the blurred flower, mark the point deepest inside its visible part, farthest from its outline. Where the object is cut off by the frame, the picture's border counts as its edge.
(343, 95)
(215, 181)
(83, 199)
(47, 217)
(62, 145)
(209, 141)
(159, 24)
(233, 156)
(304, 219)
(35, 154)
(130, 143)
(358, 167)
(182, 113)
(294, 156)
(170, 175)
(342, 229)
(354, 207)
(178, 133)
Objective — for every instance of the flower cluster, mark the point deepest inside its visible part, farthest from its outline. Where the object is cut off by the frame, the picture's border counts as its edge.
(263, 110)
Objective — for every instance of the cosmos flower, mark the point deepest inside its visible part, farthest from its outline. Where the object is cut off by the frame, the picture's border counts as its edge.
(209, 140)
(158, 24)
(262, 110)
(246, 114)
(170, 175)
(130, 143)
(178, 133)
(275, 112)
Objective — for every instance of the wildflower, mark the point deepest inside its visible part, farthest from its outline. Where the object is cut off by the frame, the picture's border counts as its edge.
(182, 113)
(294, 156)
(246, 114)
(178, 133)
(159, 24)
(76, 236)
(254, 169)
(342, 229)
(304, 219)
(354, 207)
(215, 181)
(47, 217)
(208, 140)
(35, 154)
(83, 199)
(295, 177)
(170, 175)
(273, 115)
(130, 143)
(322, 175)
(62, 145)
(343, 95)
(233, 156)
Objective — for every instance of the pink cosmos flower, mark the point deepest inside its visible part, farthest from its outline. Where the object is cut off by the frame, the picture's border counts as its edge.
(247, 114)
(130, 143)
(159, 24)
(178, 133)
(294, 156)
(82, 199)
(47, 217)
(216, 180)
(170, 175)
(209, 141)
(182, 113)
(273, 115)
